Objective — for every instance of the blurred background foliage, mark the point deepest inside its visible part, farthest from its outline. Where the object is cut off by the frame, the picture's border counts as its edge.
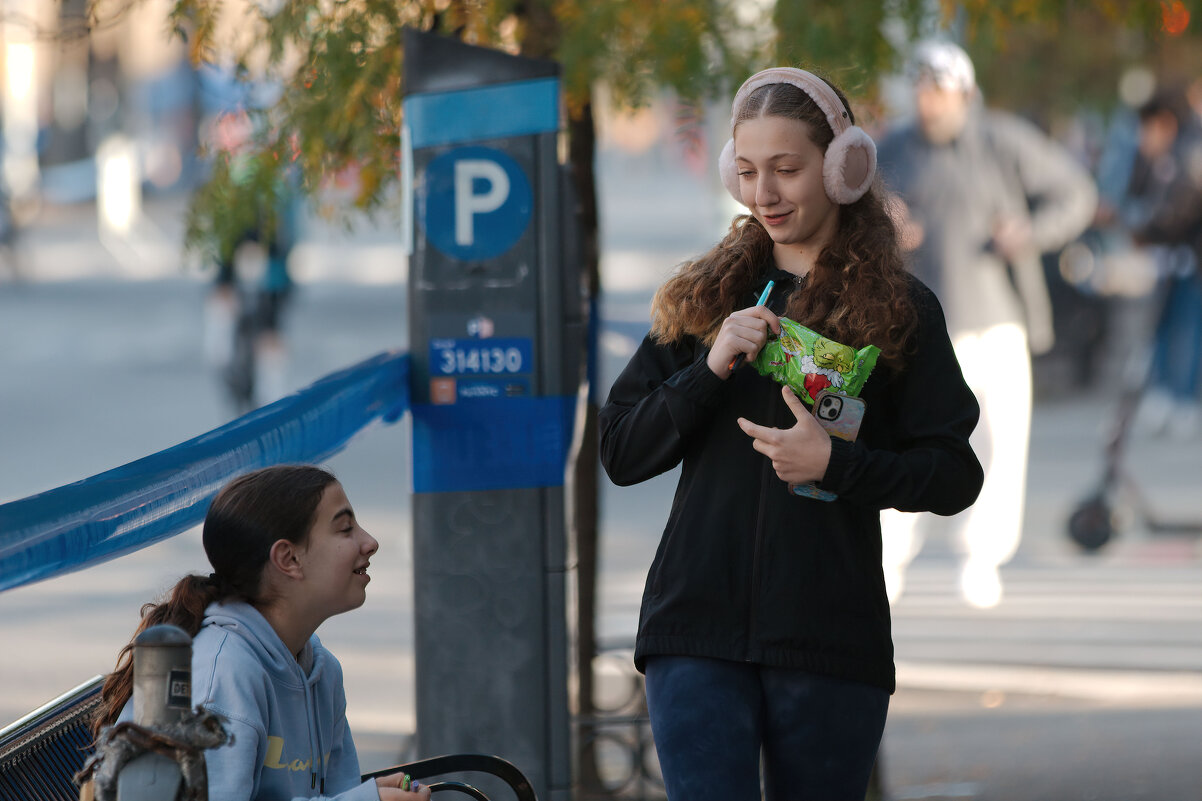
(338, 66)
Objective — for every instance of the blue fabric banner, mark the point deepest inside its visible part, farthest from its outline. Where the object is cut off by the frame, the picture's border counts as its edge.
(161, 495)
(491, 444)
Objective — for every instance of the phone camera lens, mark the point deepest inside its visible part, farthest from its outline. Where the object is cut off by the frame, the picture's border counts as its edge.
(829, 408)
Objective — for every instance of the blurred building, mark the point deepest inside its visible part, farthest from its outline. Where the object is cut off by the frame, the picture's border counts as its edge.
(69, 90)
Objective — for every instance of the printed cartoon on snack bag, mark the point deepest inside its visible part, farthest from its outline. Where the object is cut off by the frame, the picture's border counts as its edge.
(810, 363)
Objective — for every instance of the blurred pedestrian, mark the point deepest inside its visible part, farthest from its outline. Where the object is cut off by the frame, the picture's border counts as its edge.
(243, 335)
(1163, 210)
(287, 554)
(252, 291)
(980, 195)
(764, 632)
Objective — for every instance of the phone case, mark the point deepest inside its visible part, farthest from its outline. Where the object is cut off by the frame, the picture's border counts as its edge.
(841, 416)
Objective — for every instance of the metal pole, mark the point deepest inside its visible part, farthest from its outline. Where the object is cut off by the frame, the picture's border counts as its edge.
(494, 342)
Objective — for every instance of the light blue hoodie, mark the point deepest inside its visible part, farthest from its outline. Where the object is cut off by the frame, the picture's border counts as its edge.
(288, 716)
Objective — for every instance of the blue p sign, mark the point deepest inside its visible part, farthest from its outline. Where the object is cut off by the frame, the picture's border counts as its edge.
(476, 203)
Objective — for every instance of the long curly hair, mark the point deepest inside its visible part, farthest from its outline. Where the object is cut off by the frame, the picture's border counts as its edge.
(857, 292)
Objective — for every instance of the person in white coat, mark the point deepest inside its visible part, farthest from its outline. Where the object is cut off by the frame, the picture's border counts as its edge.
(980, 194)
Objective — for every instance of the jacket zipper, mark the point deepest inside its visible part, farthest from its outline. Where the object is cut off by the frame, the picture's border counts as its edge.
(766, 478)
(753, 590)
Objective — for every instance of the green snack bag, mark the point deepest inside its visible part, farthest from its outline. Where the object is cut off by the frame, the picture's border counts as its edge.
(809, 362)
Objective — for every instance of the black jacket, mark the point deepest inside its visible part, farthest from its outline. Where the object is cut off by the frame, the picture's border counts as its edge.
(1163, 202)
(747, 571)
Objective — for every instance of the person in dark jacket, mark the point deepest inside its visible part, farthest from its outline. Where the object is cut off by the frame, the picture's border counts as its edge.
(765, 628)
(1163, 212)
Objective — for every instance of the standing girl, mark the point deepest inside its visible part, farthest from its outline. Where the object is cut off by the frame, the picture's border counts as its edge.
(764, 630)
(287, 553)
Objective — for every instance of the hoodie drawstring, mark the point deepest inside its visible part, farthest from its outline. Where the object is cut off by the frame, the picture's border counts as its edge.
(321, 749)
(317, 775)
(309, 716)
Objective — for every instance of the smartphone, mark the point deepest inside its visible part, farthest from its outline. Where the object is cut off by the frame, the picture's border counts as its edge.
(841, 416)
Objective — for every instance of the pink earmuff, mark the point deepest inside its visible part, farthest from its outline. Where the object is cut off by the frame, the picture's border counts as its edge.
(850, 161)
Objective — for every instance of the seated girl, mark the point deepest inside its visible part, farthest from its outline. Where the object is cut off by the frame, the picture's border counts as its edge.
(287, 553)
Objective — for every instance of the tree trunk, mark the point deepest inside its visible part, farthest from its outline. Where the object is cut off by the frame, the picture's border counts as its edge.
(581, 153)
(541, 40)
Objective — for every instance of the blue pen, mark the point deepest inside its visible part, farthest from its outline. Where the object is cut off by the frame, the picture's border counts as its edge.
(738, 360)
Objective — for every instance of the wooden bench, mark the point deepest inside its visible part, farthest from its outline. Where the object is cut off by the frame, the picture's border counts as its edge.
(41, 753)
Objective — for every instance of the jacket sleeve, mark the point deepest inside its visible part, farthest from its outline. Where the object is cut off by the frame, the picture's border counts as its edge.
(927, 464)
(233, 769)
(663, 395)
(1060, 197)
(1060, 193)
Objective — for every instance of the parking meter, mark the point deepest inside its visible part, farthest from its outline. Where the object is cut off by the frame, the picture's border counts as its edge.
(496, 332)
(162, 696)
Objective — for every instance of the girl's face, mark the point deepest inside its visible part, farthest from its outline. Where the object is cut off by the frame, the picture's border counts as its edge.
(335, 559)
(780, 175)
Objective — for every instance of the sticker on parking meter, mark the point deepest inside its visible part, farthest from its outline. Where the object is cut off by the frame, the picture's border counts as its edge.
(475, 204)
(494, 388)
(471, 357)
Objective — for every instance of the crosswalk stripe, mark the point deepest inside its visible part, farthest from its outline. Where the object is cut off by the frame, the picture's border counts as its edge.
(1092, 631)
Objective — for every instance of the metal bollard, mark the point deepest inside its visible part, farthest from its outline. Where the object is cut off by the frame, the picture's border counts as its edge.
(162, 696)
(162, 676)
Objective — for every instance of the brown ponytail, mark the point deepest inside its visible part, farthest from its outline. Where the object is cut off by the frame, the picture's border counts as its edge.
(185, 607)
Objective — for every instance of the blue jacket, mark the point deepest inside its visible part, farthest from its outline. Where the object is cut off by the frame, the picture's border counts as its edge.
(287, 716)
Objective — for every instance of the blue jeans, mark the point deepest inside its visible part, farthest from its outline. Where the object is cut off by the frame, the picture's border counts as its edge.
(1177, 358)
(712, 720)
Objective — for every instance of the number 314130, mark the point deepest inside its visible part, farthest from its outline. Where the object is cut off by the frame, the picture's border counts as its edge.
(454, 361)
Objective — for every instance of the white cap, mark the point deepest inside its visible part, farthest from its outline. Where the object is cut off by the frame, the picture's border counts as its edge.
(944, 63)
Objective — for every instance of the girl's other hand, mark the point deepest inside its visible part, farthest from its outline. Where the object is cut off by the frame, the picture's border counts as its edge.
(745, 332)
(799, 454)
(1012, 238)
(393, 794)
(401, 787)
